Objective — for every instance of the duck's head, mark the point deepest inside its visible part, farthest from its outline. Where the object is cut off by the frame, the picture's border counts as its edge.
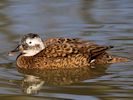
(30, 45)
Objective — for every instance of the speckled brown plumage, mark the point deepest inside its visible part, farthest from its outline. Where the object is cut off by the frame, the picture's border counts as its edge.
(67, 53)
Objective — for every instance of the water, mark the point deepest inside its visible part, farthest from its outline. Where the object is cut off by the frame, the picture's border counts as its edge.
(106, 22)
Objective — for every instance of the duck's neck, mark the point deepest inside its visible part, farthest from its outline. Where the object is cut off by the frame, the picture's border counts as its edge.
(31, 53)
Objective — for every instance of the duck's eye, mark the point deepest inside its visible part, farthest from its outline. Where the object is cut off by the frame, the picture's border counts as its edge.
(30, 42)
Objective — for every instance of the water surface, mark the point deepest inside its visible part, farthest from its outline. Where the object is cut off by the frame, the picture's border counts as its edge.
(107, 22)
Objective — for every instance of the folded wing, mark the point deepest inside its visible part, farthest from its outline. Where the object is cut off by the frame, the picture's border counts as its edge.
(63, 47)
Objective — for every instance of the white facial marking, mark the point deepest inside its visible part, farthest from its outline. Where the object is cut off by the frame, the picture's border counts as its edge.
(30, 52)
(31, 43)
(34, 41)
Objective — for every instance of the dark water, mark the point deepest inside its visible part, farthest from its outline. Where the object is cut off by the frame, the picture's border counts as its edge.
(107, 22)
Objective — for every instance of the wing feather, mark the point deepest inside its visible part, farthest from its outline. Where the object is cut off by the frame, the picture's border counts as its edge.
(62, 47)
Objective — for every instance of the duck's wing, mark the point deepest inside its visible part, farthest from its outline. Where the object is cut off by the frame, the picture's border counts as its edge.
(73, 46)
(97, 50)
(62, 50)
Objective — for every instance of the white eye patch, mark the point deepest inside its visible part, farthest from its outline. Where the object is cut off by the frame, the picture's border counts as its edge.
(35, 45)
(33, 42)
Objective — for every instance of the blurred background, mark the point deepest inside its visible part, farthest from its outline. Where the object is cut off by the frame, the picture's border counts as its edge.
(108, 22)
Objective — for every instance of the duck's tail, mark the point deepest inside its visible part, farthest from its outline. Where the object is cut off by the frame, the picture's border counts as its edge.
(118, 59)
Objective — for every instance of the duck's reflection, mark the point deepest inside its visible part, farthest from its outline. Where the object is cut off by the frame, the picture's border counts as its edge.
(31, 84)
(34, 79)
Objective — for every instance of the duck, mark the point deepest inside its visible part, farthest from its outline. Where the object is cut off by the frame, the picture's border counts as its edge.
(60, 53)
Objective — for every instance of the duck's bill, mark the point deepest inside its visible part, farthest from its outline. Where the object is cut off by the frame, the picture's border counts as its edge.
(13, 52)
